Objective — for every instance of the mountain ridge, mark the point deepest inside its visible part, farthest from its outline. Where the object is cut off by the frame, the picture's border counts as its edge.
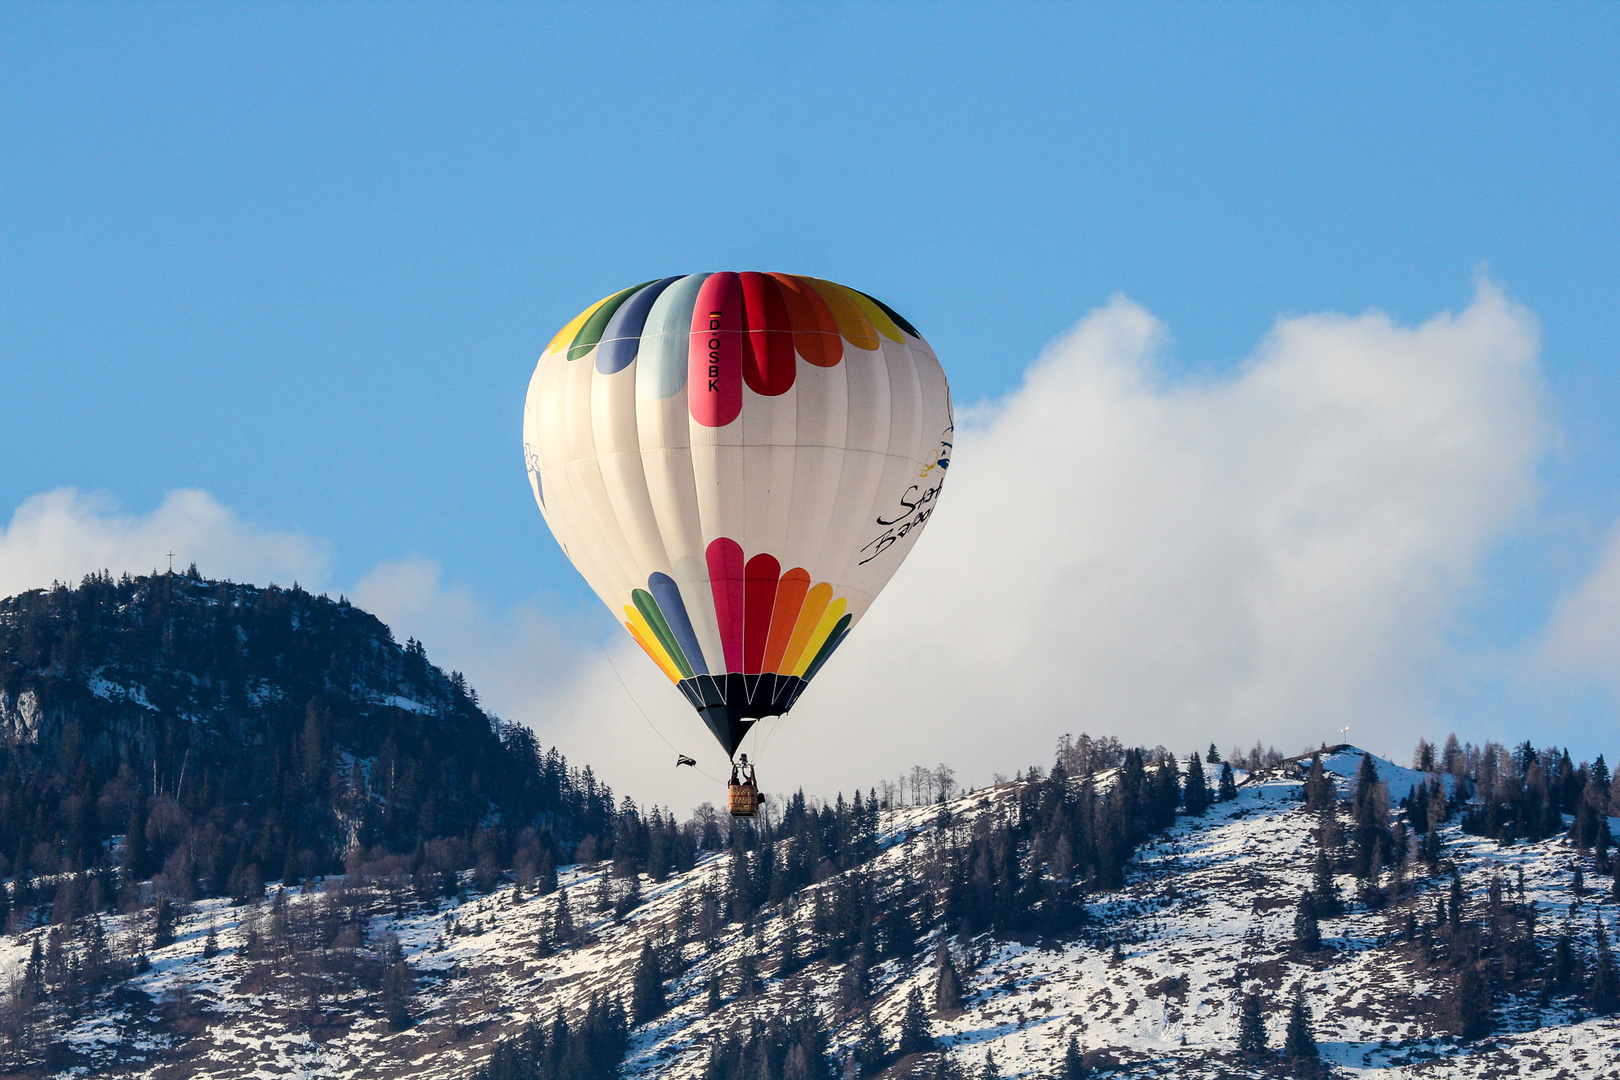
(1126, 913)
(263, 733)
(1152, 980)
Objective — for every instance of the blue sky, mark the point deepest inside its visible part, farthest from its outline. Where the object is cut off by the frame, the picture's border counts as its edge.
(303, 257)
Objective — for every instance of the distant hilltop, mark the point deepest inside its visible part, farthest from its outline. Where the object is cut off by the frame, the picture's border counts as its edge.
(228, 735)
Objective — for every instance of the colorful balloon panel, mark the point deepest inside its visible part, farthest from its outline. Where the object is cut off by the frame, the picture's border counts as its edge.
(737, 463)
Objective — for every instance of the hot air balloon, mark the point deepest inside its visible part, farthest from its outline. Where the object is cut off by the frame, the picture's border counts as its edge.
(737, 463)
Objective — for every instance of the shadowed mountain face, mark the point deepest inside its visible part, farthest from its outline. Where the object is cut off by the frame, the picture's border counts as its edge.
(236, 734)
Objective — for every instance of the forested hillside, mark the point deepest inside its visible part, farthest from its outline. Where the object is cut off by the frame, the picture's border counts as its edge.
(1125, 913)
(218, 736)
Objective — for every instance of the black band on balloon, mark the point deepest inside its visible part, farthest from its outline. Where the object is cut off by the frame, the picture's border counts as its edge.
(730, 704)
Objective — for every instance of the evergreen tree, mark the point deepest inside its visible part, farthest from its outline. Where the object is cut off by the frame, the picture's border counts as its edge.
(1319, 793)
(1299, 1044)
(211, 942)
(1429, 846)
(1195, 794)
(561, 1033)
(658, 849)
(647, 987)
(790, 1046)
(747, 974)
(871, 1053)
(396, 992)
(1074, 1064)
(789, 964)
(1228, 789)
(1252, 1040)
(1566, 971)
(855, 986)
(1307, 933)
(96, 957)
(1423, 756)
(631, 898)
(1366, 785)
(739, 884)
(989, 1070)
(947, 985)
(711, 1001)
(1472, 1003)
(34, 970)
(545, 881)
(136, 864)
(1165, 795)
(914, 1036)
(163, 922)
(1369, 831)
(563, 931)
(594, 1050)
(1324, 892)
(1603, 995)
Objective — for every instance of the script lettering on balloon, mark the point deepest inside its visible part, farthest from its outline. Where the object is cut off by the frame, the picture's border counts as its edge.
(914, 509)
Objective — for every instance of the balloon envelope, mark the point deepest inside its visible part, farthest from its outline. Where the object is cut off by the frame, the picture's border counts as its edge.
(737, 463)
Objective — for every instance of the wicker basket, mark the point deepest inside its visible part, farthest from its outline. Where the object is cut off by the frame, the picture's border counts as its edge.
(744, 800)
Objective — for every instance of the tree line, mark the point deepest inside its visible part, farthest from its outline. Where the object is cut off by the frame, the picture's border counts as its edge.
(1394, 856)
(218, 736)
(1022, 869)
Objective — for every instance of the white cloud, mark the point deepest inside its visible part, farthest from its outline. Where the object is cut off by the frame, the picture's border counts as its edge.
(1275, 554)
(520, 662)
(1582, 639)
(64, 534)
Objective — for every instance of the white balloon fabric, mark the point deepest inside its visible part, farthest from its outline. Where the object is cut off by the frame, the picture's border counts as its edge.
(737, 463)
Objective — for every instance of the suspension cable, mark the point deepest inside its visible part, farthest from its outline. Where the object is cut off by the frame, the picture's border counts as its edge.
(597, 636)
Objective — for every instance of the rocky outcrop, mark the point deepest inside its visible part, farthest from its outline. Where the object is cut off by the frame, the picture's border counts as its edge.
(21, 719)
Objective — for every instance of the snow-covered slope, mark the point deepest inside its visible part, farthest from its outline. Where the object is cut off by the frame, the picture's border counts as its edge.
(1344, 762)
(1207, 914)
